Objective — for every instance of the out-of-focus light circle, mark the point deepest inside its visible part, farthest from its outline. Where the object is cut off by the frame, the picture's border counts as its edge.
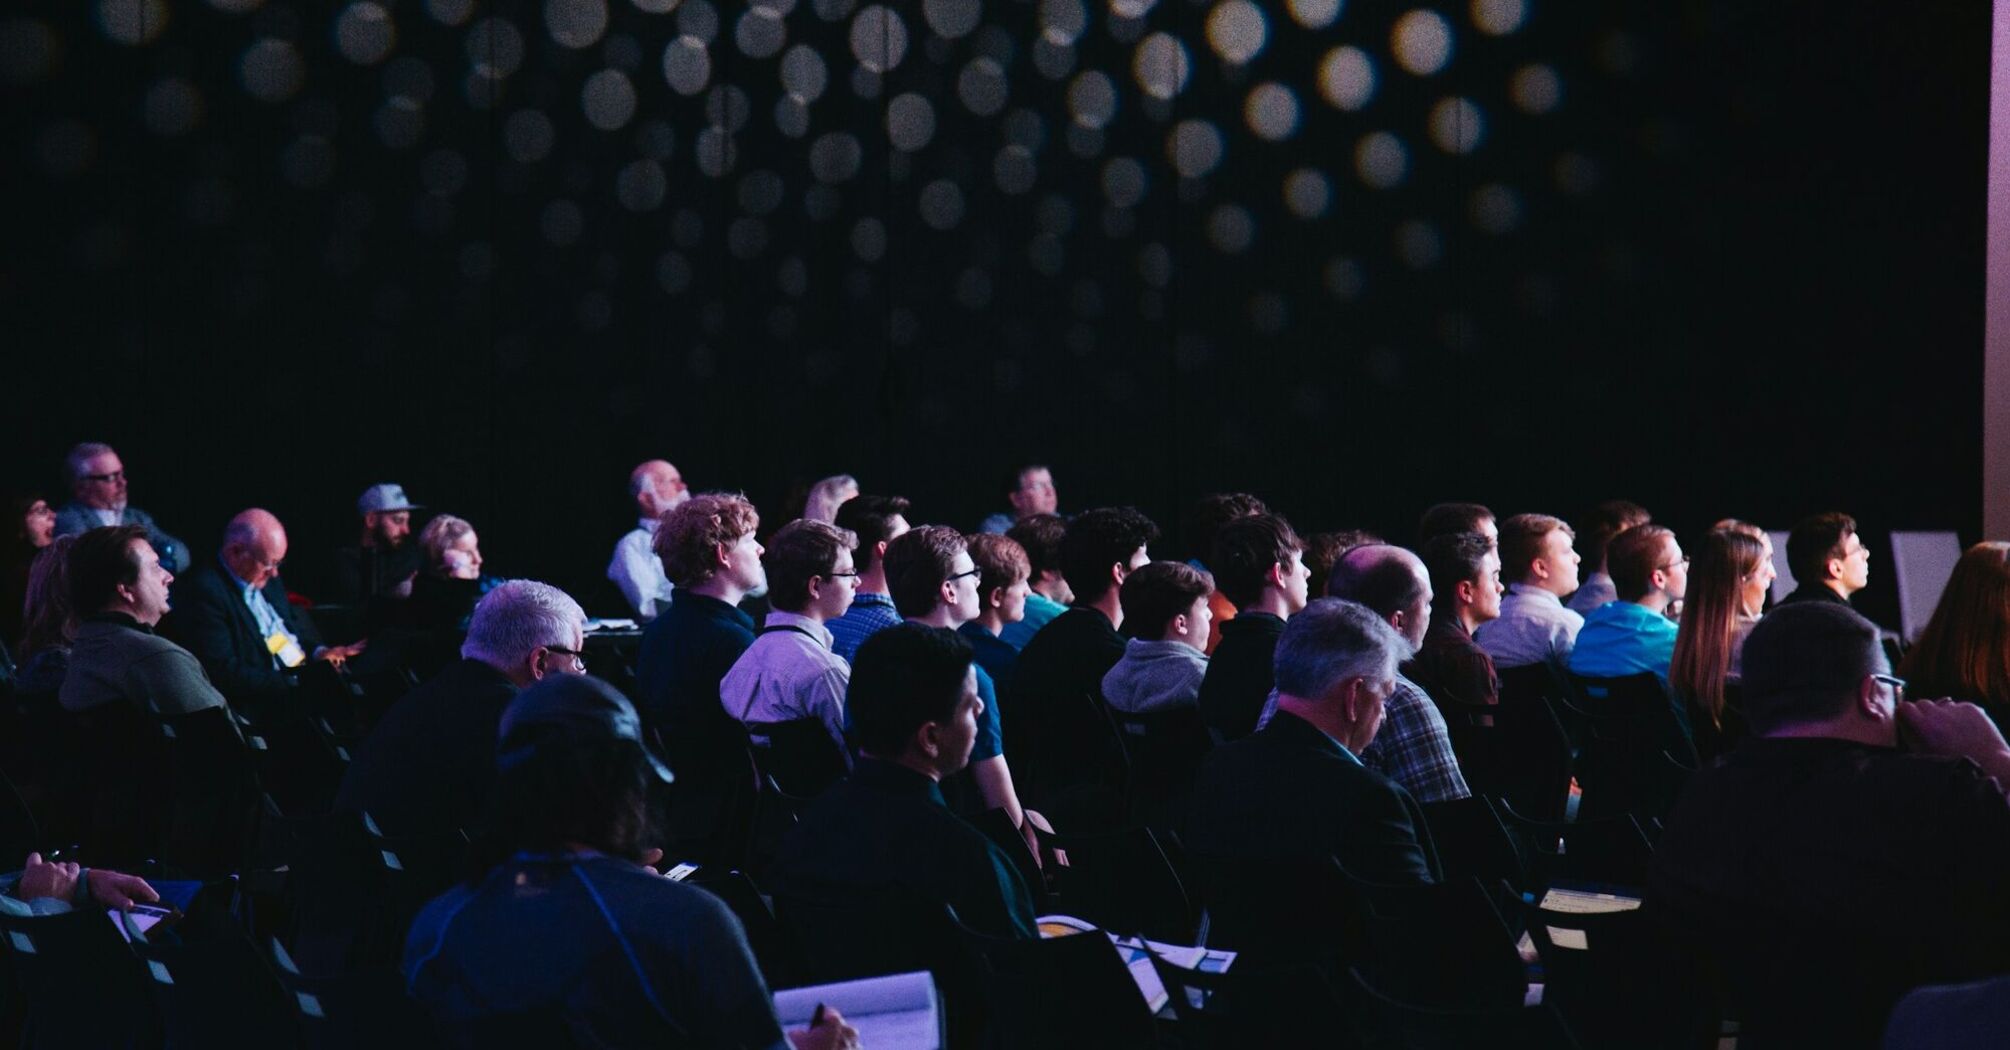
(1422, 41)
(1271, 111)
(641, 185)
(308, 162)
(1092, 100)
(687, 66)
(727, 107)
(1308, 193)
(1055, 215)
(528, 136)
(1347, 78)
(878, 38)
(868, 239)
(804, 74)
(444, 172)
(271, 70)
(834, 10)
(835, 157)
(608, 99)
(1535, 89)
(760, 32)
(1014, 170)
(1062, 22)
(1457, 126)
(941, 205)
(132, 22)
(952, 19)
(1418, 244)
(1160, 65)
(655, 7)
(1496, 209)
(1499, 17)
(982, 86)
(173, 107)
(364, 33)
(1231, 229)
(1195, 147)
(700, 19)
(1314, 14)
(910, 122)
(450, 12)
(400, 122)
(1381, 160)
(1236, 29)
(792, 116)
(575, 23)
(1124, 182)
(495, 45)
(1051, 60)
(1132, 8)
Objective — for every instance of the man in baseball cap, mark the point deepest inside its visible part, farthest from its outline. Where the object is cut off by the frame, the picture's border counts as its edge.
(381, 565)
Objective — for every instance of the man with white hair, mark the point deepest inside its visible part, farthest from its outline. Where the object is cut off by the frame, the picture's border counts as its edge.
(655, 486)
(429, 763)
(1297, 790)
(98, 483)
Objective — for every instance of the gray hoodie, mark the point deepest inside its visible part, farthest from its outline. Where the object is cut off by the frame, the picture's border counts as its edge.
(1155, 676)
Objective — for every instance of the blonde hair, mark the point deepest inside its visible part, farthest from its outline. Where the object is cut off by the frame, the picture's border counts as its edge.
(439, 534)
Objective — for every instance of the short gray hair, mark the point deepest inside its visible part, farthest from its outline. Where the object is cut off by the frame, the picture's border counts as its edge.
(1331, 641)
(83, 454)
(516, 618)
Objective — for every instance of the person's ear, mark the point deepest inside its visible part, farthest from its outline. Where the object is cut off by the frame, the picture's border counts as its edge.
(1180, 624)
(1352, 694)
(1119, 570)
(1866, 700)
(1835, 567)
(1277, 576)
(879, 552)
(816, 587)
(929, 738)
(539, 667)
(995, 599)
(1540, 567)
(719, 551)
(1467, 592)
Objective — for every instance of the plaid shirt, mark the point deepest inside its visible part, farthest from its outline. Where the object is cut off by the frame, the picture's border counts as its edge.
(1413, 747)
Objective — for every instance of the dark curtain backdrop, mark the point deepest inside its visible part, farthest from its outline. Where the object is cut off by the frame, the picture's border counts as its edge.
(1718, 257)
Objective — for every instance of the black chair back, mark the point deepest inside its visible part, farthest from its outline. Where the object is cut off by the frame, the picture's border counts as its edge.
(1281, 913)
(210, 983)
(1620, 982)
(1472, 843)
(1613, 850)
(1422, 1026)
(1247, 1006)
(1533, 756)
(1441, 944)
(366, 1008)
(1164, 749)
(1059, 992)
(77, 983)
(1122, 881)
(800, 755)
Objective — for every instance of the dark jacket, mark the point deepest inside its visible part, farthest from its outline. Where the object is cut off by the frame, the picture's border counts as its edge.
(1455, 671)
(1061, 738)
(211, 619)
(75, 518)
(1240, 674)
(429, 764)
(685, 652)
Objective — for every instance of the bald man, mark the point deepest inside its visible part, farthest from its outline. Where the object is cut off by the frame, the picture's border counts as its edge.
(656, 486)
(234, 616)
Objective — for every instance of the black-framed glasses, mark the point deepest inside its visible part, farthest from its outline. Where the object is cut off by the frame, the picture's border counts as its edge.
(1897, 685)
(117, 475)
(578, 657)
(973, 574)
(842, 575)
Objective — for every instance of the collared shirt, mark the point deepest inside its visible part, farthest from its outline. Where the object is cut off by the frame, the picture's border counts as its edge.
(789, 673)
(1595, 590)
(869, 614)
(1533, 628)
(639, 572)
(1623, 638)
(107, 517)
(1413, 747)
(1040, 611)
(262, 613)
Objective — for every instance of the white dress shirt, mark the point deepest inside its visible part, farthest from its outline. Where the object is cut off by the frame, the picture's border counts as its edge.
(789, 672)
(1533, 628)
(639, 573)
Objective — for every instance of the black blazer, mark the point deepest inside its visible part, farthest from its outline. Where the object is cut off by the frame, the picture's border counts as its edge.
(210, 619)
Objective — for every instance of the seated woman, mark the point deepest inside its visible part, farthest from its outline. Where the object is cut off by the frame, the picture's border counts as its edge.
(572, 929)
(425, 630)
(1964, 653)
(1728, 579)
(35, 529)
(47, 625)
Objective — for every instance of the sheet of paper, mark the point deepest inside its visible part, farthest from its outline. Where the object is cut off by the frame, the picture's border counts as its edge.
(899, 1011)
(1580, 902)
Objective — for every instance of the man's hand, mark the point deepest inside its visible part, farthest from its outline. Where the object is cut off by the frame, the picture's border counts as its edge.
(337, 655)
(117, 890)
(40, 879)
(1958, 730)
(832, 1033)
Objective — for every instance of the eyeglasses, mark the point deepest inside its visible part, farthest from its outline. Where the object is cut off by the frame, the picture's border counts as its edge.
(1682, 561)
(973, 574)
(578, 658)
(1897, 685)
(117, 475)
(842, 575)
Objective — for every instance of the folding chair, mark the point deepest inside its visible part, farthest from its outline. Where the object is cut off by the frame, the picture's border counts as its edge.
(367, 1008)
(1472, 843)
(1246, 1006)
(1164, 749)
(77, 983)
(780, 959)
(1122, 881)
(1059, 992)
(1620, 983)
(1533, 766)
(210, 984)
(1611, 850)
(1441, 944)
(800, 756)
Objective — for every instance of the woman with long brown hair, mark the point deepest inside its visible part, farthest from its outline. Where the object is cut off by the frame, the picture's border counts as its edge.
(1965, 651)
(1727, 590)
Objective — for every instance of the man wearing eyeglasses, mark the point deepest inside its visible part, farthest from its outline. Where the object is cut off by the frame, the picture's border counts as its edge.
(1633, 633)
(98, 483)
(1853, 848)
(1829, 560)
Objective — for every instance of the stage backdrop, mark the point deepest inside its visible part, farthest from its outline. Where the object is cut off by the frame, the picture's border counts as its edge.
(1721, 258)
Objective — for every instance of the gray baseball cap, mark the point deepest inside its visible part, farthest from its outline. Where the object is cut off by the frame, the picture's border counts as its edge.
(379, 498)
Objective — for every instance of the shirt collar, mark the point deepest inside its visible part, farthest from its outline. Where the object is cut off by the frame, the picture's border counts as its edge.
(243, 586)
(894, 777)
(648, 525)
(119, 619)
(797, 621)
(870, 598)
(1530, 592)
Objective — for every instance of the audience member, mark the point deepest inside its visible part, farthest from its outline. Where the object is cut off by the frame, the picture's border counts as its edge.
(1414, 748)
(1048, 594)
(429, 764)
(50, 624)
(1540, 567)
(1059, 680)
(1166, 605)
(1002, 589)
(1030, 491)
(876, 521)
(1465, 573)
(884, 834)
(1297, 789)
(36, 525)
(235, 617)
(1605, 521)
(119, 588)
(1322, 550)
(384, 563)
(1825, 869)
(1965, 650)
(1727, 588)
(445, 593)
(98, 489)
(789, 672)
(1633, 633)
(45, 887)
(1444, 519)
(1828, 558)
(656, 487)
(574, 924)
(1204, 522)
(826, 496)
(1260, 565)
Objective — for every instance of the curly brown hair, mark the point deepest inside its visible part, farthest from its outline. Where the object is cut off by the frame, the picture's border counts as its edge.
(690, 535)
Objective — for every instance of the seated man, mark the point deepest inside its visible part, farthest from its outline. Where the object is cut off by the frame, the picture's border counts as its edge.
(50, 888)
(235, 618)
(876, 521)
(1030, 491)
(1828, 559)
(656, 487)
(1541, 569)
(1414, 748)
(1047, 594)
(884, 833)
(790, 673)
(120, 590)
(1606, 520)
(381, 566)
(1466, 592)
(1825, 868)
(1633, 633)
(1203, 523)
(1297, 789)
(1444, 519)
(1167, 605)
(1002, 593)
(574, 927)
(1260, 565)
(98, 483)
(429, 763)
